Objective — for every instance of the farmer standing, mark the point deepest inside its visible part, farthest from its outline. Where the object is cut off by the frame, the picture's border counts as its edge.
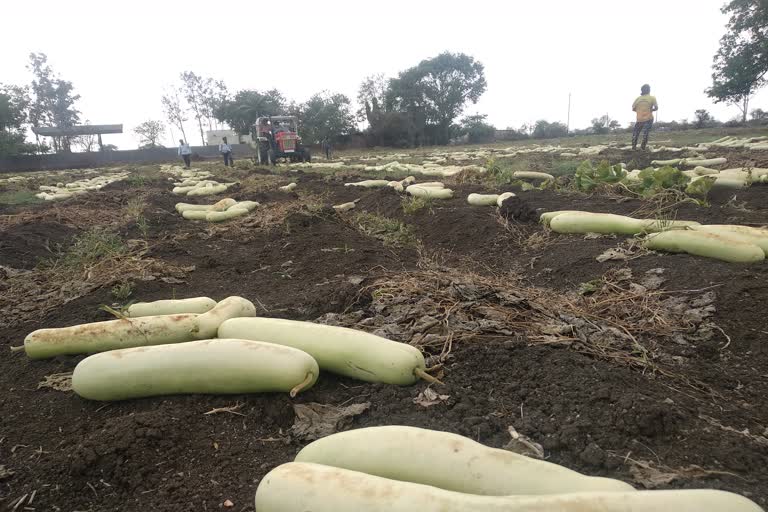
(327, 148)
(226, 150)
(645, 105)
(185, 152)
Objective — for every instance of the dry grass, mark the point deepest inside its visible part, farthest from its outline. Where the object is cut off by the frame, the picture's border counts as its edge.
(32, 295)
(256, 183)
(525, 236)
(76, 215)
(622, 321)
(135, 207)
(391, 232)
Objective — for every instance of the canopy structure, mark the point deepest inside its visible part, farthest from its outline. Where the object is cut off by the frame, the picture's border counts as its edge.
(73, 131)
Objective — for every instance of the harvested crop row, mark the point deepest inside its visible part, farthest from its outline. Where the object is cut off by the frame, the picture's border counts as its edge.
(405, 468)
(299, 486)
(220, 211)
(134, 332)
(731, 243)
(66, 191)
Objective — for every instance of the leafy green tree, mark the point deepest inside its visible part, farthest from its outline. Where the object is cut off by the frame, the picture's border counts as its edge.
(241, 112)
(604, 124)
(14, 102)
(52, 101)
(325, 116)
(476, 128)
(174, 112)
(216, 96)
(435, 92)
(545, 130)
(600, 125)
(703, 118)
(370, 98)
(87, 142)
(197, 90)
(149, 133)
(759, 115)
(741, 63)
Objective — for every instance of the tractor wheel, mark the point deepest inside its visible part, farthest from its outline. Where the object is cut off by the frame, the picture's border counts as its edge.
(270, 157)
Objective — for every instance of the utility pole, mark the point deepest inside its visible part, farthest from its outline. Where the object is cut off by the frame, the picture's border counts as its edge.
(568, 123)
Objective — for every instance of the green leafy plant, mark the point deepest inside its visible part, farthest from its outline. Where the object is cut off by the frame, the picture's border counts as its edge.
(413, 204)
(91, 247)
(587, 177)
(700, 187)
(143, 224)
(121, 291)
(135, 207)
(563, 167)
(653, 181)
(390, 231)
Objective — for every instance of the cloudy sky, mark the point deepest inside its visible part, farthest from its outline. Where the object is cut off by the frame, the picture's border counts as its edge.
(121, 55)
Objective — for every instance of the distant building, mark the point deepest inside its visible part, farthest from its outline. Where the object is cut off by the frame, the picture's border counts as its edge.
(214, 137)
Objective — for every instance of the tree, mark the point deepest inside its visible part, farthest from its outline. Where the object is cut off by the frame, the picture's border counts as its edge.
(217, 95)
(52, 100)
(370, 98)
(196, 89)
(476, 129)
(14, 102)
(435, 92)
(759, 116)
(174, 113)
(604, 124)
(149, 133)
(87, 142)
(241, 112)
(703, 118)
(741, 63)
(546, 130)
(600, 124)
(325, 116)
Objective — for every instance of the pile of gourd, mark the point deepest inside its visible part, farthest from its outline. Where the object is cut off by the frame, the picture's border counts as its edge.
(197, 345)
(65, 191)
(404, 469)
(702, 168)
(193, 182)
(489, 199)
(428, 169)
(756, 143)
(429, 190)
(200, 346)
(220, 211)
(726, 242)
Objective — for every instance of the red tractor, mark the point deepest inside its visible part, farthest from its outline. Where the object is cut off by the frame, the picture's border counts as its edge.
(278, 137)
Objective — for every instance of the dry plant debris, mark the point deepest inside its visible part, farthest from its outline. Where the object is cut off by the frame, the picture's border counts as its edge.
(626, 320)
(31, 295)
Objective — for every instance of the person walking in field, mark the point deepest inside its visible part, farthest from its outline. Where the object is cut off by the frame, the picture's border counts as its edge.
(185, 152)
(327, 148)
(645, 105)
(226, 150)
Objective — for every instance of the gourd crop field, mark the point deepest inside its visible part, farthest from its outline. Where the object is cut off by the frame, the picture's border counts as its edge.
(632, 346)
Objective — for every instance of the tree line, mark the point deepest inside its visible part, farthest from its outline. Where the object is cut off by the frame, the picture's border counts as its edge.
(422, 105)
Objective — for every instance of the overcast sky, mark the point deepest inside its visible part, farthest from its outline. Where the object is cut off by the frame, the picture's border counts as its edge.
(120, 55)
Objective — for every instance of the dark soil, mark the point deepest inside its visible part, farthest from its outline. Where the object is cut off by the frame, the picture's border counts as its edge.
(591, 415)
(24, 245)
